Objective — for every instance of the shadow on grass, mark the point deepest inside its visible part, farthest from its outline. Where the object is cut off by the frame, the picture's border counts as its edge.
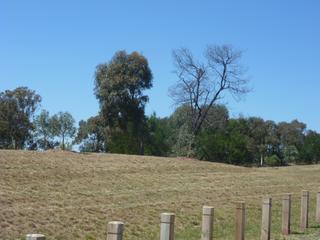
(315, 226)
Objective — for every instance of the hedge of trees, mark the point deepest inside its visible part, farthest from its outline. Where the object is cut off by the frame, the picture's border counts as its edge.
(21, 129)
(241, 141)
(200, 127)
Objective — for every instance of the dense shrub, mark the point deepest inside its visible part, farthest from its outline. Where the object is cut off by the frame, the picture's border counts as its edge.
(273, 161)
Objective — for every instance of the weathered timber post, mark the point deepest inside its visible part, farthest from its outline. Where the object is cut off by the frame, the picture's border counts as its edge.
(167, 226)
(304, 210)
(115, 230)
(35, 237)
(286, 214)
(266, 219)
(318, 207)
(240, 220)
(207, 223)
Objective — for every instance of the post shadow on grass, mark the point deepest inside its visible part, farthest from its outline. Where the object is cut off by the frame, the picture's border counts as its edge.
(315, 226)
(295, 232)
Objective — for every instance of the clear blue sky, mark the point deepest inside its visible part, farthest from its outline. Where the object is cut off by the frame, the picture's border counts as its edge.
(54, 46)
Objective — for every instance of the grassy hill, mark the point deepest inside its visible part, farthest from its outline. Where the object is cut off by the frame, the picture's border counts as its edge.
(72, 196)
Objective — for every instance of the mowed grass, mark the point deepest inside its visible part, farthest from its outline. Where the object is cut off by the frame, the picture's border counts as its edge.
(72, 196)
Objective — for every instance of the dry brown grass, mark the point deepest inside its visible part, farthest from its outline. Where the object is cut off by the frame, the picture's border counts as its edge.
(72, 196)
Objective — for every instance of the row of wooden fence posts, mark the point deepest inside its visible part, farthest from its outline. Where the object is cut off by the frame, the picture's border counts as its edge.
(286, 216)
(115, 228)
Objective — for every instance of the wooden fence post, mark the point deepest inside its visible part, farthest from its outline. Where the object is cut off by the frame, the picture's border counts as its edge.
(318, 207)
(167, 226)
(304, 210)
(35, 237)
(240, 220)
(266, 219)
(207, 223)
(286, 214)
(115, 230)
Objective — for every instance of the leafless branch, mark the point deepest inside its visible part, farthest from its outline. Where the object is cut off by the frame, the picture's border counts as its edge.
(201, 85)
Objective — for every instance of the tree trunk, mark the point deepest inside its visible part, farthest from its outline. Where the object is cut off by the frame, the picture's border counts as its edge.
(63, 142)
(45, 143)
(141, 147)
(13, 141)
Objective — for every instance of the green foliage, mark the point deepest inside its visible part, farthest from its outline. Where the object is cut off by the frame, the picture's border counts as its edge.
(273, 161)
(202, 83)
(183, 141)
(16, 110)
(291, 133)
(180, 138)
(310, 151)
(197, 128)
(157, 139)
(119, 87)
(248, 141)
(91, 135)
(258, 142)
(124, 142)
(63, 126)
(217, 118)
(290, 154)
(228, 146)
(44, 132)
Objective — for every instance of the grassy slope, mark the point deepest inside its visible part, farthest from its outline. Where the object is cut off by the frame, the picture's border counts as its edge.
(73, 196)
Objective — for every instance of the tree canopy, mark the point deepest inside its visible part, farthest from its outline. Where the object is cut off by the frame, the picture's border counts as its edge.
(119, 86)
(63, 126)
(45, 131)
(91, 135)
(16, 111)
(199, 127)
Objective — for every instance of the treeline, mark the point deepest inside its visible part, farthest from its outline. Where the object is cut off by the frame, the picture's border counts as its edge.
(200, 126)
(242, 141)
(21, 129)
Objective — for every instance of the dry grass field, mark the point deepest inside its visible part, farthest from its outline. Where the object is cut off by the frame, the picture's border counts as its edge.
(72, 196)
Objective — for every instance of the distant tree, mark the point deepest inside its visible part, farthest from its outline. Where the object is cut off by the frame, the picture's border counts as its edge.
(229, 145)
(44, 130)
(310, 150)
(157, 136)
(16, 111)
(258, 133)
(273, 161)
(272, 139)
(119, 87)
(91, 135)
(63, 125)
(201, 85)
(291, 133)
(290, 154)
(252, 141)
(181, 136)
(217, 117)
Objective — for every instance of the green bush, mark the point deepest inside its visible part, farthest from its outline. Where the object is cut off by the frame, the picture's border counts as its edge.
(273, 161)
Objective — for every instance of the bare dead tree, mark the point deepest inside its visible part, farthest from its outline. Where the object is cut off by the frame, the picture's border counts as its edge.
(203, 84)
